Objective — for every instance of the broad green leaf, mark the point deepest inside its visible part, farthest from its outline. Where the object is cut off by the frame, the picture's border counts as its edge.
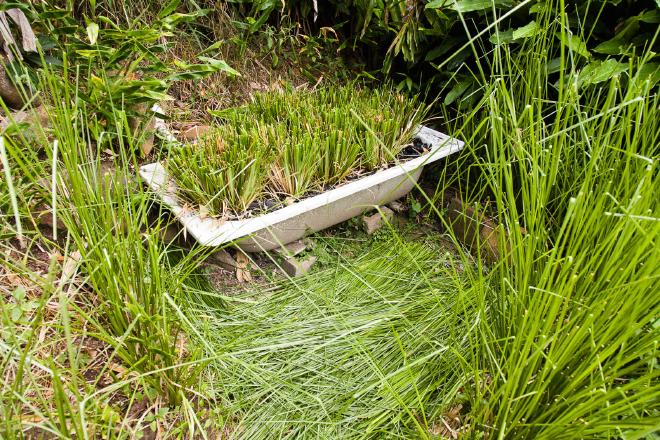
(156, 96)
(220, 65)
(213, 47)
(479, 5)
(435, 4)
(92, 33)
(650, 16)
(510, 35)
(554, 65)
(650, 71)
(610, 47)
(173, 20)
(196, 71)
(457, 91)
(575, 44)
(597, 71)
(502, 37)
(171, 7)
(529, 30)
(537, 8)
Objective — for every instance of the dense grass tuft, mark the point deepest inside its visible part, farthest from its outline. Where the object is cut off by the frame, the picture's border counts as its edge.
(289, 143)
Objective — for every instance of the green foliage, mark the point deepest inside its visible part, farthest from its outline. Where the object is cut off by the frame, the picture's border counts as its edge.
(571, 348)
(120, 66)
(298, 140)
(558, 339)
(441, 43)
(225, 171)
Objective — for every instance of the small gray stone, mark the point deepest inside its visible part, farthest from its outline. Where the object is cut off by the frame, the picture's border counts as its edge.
(397, 206)
(223, 259)
(292, 249)
(294, 268)
(374, 222)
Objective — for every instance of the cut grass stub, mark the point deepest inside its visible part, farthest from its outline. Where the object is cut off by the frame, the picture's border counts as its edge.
(287, 145)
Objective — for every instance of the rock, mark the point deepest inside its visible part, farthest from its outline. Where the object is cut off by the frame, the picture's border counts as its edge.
(374, 222)
(196, 132)
(223, 259)
(397, 206)
(44, 217)
(475, 230)
(29, 122)
(8, 91)
(292, 249)
(294, 268)
(463, 221)
(488, 235)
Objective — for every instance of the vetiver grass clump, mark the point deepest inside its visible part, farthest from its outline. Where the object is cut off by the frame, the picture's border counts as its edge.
(288, 143)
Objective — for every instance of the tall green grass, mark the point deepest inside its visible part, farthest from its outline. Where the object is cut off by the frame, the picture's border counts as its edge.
(571, 347)
(117, 286)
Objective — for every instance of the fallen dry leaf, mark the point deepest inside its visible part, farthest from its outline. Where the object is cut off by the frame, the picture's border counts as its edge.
(242, 271)
(204, 211)
(69, 266)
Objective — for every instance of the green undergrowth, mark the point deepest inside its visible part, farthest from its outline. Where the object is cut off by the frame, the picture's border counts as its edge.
(285, 144)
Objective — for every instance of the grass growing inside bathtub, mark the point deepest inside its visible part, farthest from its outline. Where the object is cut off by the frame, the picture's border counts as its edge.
(288, 144)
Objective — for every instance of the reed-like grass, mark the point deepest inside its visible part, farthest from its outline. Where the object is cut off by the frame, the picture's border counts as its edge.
(101, 303)
(299, 141)
(570, 350)
(229, 167)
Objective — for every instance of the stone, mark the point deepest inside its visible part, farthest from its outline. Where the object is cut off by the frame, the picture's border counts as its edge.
(475, 230)
(488, 236)
(397, 206)
(223, 259)
(292, 249)
(295, 268)
(30, 122)
(194, 133)
(374, 222)
(44, 217)
(8, 91)
(463, 221)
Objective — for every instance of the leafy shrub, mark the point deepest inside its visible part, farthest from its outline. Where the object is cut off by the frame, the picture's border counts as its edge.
(433, 42)
(119, 67)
